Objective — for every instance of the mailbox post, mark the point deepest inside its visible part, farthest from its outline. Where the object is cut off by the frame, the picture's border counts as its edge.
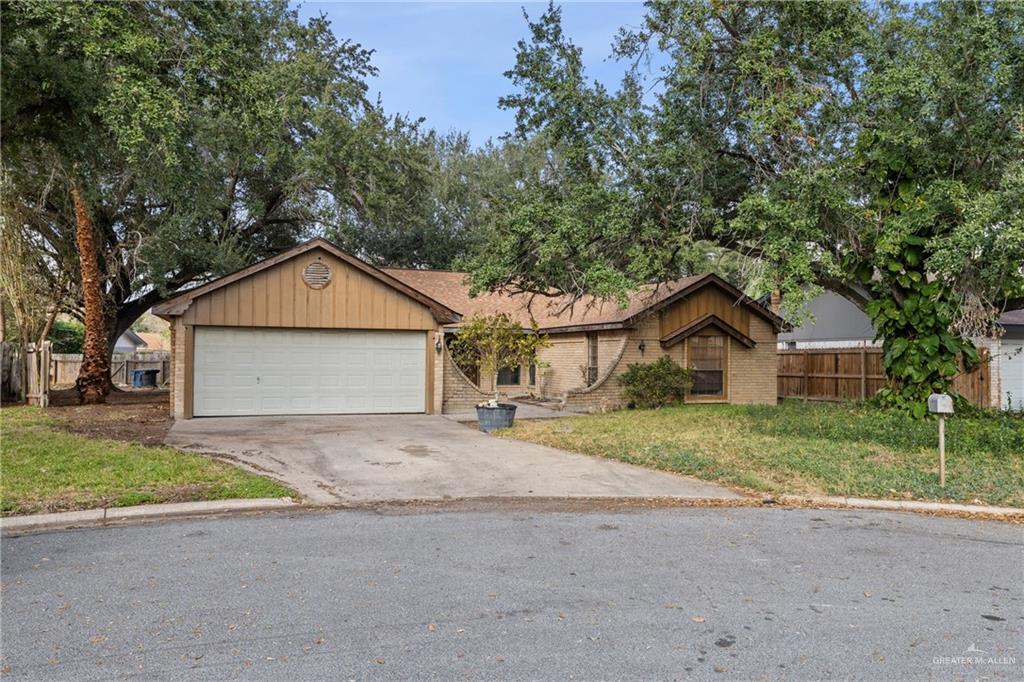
(941, 404)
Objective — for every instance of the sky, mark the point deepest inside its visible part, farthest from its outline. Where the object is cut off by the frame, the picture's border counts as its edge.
(444, 60)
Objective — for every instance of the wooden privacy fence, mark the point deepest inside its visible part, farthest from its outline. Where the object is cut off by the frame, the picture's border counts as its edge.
(838, 374)
(23, 375)
(12, 372)
(64, 366)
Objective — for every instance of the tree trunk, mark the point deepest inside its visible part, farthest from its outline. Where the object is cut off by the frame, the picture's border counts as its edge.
(51, 315)
(93, 381)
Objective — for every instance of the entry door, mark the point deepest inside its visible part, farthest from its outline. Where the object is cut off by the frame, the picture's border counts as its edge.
(245, 371)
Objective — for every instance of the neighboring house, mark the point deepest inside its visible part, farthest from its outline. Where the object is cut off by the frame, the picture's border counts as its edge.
(835, 322)
(838, 323)
(315, 330)
(154, 341)
(129, 342)
(1011, 360)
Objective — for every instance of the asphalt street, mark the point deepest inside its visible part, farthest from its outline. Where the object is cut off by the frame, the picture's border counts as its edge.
(720, 594)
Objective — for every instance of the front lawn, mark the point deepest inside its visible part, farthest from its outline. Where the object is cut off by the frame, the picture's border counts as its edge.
(797, 448)
(45, 469)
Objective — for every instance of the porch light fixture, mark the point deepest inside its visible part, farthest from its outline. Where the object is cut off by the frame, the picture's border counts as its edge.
(642, 347)
(437, 344)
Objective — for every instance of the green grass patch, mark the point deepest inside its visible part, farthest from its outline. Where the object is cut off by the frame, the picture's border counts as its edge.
(44, 469)
(807, 448)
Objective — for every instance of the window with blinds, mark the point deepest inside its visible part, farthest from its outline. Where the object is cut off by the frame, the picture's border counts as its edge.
(591, 358)
(508, 377)
(707, 361)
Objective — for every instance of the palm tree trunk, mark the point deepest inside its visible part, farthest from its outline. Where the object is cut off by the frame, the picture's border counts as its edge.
(93, 381)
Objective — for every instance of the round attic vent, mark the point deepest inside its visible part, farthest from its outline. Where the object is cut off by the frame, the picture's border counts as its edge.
(316, 275)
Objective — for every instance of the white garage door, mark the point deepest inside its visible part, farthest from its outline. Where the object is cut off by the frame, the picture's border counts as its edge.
(306, 371)
(1011, 371)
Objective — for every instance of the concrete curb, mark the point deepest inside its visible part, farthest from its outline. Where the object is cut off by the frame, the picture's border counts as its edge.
(114, 515)
(149, 512)
(904, 505)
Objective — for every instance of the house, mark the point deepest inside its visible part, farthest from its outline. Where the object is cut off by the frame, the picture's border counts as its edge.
(702, 322)
(154, 341)
(1010, 357)
(838, 323)
(316, 330)
(834, 322)
(129, 342)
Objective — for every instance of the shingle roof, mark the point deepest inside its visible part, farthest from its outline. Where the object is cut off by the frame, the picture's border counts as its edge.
(452, 289)
(154, 341)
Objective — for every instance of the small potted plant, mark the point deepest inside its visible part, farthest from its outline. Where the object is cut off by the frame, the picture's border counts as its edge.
(488, 343)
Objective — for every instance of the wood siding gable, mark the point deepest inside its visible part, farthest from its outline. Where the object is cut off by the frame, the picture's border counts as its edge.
(706, 301)
(277, 296)
(711, 321)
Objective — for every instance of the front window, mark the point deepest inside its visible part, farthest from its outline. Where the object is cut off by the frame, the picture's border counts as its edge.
(591, 358)
(707, 360)
(508, 377)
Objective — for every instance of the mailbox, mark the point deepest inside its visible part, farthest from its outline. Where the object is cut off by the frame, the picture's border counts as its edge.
(940, 403)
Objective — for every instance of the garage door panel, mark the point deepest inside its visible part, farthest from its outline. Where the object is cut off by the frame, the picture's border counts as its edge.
(260, 371)
(1012, 374)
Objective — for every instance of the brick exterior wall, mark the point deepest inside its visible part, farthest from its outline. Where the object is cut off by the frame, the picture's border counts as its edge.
(177, 368)
(606, 393)
(439, 382)
(459, 393)
(751, 372)
(567, 354)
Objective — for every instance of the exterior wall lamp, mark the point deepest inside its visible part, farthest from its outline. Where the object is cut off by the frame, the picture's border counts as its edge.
(642, 347)
(437, 344)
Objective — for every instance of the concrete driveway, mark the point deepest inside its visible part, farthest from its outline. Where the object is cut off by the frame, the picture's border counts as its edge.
(372, 458)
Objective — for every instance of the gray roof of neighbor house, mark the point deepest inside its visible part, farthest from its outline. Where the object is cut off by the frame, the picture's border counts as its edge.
(834, 318)
(1012, 318)
(133, 338)
(561, 313)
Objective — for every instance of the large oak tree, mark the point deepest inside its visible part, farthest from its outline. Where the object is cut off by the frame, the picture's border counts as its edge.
(199, 136)
(876, 150)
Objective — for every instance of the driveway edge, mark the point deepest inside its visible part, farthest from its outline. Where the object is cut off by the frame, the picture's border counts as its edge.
(114, 515)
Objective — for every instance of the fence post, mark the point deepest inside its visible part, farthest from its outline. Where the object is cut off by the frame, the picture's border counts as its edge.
(835, 370)
(863, 373)
(807, 388)
(44, 373)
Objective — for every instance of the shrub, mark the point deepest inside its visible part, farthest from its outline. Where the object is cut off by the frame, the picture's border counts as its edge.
(656, 384)
(67, 337)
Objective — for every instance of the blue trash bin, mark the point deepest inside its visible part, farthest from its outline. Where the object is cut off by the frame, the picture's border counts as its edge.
(144, 378)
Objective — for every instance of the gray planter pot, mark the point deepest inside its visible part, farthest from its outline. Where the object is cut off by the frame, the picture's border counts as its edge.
(500, 417)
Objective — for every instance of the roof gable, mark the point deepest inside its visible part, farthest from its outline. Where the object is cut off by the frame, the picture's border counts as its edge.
(738, 296)
(177, 305)
(702, 323)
